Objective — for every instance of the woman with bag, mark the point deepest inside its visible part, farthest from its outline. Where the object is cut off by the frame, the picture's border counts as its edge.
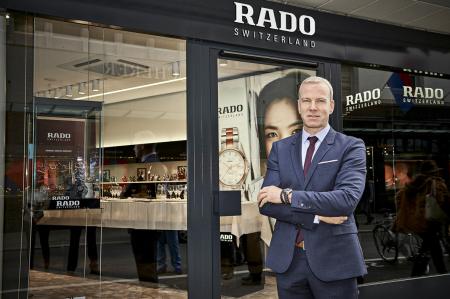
(423, 209)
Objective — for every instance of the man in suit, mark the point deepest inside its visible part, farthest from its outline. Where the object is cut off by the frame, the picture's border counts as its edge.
(317, 171)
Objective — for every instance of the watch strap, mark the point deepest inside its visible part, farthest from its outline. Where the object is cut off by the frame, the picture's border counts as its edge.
(284, 195)
(229, 137)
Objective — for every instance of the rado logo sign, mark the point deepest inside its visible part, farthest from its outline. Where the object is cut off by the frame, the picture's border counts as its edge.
(363, 99)
(282, 21)
(427, 93)
(423, 95)
(58, 136)
(231, 111)
(226, 237)
(64, 202)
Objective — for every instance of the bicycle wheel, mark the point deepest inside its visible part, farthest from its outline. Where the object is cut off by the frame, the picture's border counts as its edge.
(386, 243)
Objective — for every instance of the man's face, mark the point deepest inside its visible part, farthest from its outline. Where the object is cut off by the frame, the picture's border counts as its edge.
(315, 106)
(281, 120)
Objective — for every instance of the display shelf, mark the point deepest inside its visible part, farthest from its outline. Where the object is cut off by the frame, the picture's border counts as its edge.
(143, 182)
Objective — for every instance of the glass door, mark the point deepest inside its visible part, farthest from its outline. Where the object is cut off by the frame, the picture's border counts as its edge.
(257, 105)
(108, 159)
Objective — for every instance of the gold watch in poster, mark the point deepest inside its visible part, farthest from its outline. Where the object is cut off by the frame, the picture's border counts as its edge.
(233, 165)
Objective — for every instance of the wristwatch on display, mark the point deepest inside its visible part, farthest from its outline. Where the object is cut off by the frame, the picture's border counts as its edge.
(233, 165)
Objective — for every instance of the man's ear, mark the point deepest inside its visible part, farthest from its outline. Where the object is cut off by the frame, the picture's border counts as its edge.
(332, 106)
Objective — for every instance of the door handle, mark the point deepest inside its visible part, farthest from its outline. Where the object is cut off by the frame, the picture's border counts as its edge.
(227, 203)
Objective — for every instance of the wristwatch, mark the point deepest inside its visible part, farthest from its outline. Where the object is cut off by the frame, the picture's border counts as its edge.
(284, 195)
(233, 165)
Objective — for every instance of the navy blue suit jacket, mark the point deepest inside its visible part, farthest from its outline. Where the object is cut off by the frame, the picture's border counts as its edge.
(333, 186)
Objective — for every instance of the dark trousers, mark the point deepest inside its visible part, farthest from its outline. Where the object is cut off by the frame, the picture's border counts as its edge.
(228, 255)
(430, 246)
(75, 234)
(44, 232)
(299, 282)
(251, 247)
(144, 245)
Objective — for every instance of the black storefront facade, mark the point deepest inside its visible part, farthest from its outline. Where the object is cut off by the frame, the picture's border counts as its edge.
(347, 51)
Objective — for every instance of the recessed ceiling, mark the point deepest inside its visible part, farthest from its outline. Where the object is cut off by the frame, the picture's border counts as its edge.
(427, 15)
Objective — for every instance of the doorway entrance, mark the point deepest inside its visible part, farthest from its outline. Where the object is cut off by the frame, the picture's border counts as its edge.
(256, 106)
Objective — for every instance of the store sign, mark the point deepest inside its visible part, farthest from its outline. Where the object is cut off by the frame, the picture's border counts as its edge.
(282, 21)
(407, 95)
(231, 111)
(60, 137)
(64, 202)
(226, 237)
(71, 202)
(423, 95)
(363, 99)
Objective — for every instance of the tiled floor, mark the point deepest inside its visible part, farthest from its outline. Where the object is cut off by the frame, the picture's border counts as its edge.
(51, 286)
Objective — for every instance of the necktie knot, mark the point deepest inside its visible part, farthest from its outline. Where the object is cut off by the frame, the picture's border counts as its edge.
(312, 140)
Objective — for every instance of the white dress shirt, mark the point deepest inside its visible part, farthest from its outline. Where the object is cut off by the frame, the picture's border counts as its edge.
(305, 144)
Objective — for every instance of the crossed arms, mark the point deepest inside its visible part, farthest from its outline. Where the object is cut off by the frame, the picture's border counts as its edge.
(304, 205)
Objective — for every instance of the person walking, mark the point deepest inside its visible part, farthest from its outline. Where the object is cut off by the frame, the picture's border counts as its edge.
(412, 216)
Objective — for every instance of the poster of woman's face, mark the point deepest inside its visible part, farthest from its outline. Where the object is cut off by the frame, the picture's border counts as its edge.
(278, 110)
(262, 106)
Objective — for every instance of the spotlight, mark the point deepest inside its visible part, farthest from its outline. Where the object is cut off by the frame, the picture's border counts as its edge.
(56, 94)
(82, 88)
(223, 62)
(96, 85)
(69, 91)
(176, 68)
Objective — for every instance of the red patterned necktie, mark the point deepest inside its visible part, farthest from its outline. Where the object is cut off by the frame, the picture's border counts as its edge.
(308, 158)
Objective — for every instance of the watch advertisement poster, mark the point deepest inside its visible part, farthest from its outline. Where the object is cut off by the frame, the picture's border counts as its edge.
(254, 111)
(60, 165)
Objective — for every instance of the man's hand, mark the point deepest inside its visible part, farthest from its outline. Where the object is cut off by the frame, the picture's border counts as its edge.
(269, 194)
(333, 220)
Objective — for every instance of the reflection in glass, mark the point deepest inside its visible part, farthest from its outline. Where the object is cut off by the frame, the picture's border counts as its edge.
(404, 121)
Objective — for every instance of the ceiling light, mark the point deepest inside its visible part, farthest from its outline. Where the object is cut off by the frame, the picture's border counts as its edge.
(82, 88)
(56, 93)
(69, 91)
(223, 62)
(96, 85)
(176, 68)
(131, 88)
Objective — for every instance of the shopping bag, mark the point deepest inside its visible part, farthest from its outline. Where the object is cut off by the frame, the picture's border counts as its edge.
(433, 211)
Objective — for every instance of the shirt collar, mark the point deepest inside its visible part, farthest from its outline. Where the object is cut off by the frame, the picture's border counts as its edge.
(320, 135)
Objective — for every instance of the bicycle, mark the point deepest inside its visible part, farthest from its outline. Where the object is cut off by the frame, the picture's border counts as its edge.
(389, 243)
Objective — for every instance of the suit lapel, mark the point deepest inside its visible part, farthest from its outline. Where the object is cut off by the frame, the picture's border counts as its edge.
(296, 156)
(321, 151)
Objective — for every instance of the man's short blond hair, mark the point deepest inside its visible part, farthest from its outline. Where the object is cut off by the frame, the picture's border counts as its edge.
(316, 80)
